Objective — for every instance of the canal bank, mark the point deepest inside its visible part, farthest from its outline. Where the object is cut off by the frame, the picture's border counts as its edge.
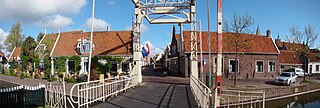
(274, 92)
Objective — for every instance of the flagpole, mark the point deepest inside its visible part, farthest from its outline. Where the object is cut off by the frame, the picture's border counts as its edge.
(91, 38)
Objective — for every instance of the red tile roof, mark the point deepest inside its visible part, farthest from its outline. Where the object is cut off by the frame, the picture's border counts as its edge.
(254, 43)
(314, 57)
(289, 57)
(289, 46)
(105, 43)
(15, 54)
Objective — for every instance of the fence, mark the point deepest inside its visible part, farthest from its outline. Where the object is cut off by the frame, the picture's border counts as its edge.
(22, 96)
(56, 96)
(89, 92)
(201, 92)
(242, 99)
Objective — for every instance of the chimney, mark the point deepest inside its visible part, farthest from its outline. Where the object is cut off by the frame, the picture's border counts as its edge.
(268, 33)
(278, 39)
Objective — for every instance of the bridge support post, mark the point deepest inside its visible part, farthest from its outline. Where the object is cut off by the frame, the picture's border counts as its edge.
(194, 43)
(136, 44)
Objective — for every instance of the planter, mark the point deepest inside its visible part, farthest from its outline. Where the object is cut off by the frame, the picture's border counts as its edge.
(101, 78)
(108, 75)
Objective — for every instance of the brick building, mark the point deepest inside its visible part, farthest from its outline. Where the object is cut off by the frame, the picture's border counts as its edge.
(77, 43)
(260, 58)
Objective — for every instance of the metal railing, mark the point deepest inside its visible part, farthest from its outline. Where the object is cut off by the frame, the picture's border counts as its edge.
(56, 96)
(89, 92)
(201, 92)
(242, 99)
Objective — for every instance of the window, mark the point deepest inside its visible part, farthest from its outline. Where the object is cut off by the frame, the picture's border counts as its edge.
(215, 65)
(310, 69)
(86, 66)
(233, 65)
(114, 67)
(125, 67)
(272, 66)
(71, 67)
(282, 68)
(42, 48)
(317, 67)
(83, 45)
(259, 66)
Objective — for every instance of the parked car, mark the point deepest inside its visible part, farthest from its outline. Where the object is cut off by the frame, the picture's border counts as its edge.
(157, 67)
(298, 71)
(286, 78)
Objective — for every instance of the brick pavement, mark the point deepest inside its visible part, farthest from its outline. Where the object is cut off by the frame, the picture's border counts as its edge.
(156, 91)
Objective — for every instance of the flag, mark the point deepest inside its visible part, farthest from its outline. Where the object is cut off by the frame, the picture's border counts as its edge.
(144, 52)
(148, 48)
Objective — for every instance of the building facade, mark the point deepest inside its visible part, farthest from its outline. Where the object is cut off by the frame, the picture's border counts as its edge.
(77, 43)
(258, 57)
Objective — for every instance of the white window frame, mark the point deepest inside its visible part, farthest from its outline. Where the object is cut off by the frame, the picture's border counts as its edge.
(317, 68)
(275, 65)
(215, 65)
(229, 65)
(112, 63)
(262, 66)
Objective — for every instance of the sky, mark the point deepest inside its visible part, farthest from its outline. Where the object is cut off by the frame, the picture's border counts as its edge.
(69, 15)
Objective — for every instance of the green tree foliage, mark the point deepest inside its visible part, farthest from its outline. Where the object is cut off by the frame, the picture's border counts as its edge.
(103, 63)
(47, 66)
(60, 64)
(15, 38)
(39, 37)
(27, 53)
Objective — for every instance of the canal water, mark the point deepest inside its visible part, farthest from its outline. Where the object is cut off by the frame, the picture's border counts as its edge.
(310, 100)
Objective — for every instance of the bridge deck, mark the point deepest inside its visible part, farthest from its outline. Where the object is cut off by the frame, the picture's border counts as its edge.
(156, 91)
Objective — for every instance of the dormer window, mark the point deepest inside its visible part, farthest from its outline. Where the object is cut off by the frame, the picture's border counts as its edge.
(83, 45)
(42, 47)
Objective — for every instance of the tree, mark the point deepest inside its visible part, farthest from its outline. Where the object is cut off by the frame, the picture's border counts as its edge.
(307, 38)
(15, 38)
(39, 37)
(238, 25)
(27, 53)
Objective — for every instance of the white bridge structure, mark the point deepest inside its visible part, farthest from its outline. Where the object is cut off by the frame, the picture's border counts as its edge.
(155, 12)
(171, 12)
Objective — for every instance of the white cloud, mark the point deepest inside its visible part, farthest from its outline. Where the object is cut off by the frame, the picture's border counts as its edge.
(153, 49)
(143, 28)
(111, 2)
(3, 36)
(55, 22)
(32, 11)
(99, 24)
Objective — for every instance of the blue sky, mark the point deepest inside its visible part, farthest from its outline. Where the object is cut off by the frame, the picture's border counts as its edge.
(69, 15)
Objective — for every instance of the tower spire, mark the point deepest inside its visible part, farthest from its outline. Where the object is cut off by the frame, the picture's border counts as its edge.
(258, 30)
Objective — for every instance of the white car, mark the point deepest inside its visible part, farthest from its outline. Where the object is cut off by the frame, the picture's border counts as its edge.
(286, 78)
(299, 72)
